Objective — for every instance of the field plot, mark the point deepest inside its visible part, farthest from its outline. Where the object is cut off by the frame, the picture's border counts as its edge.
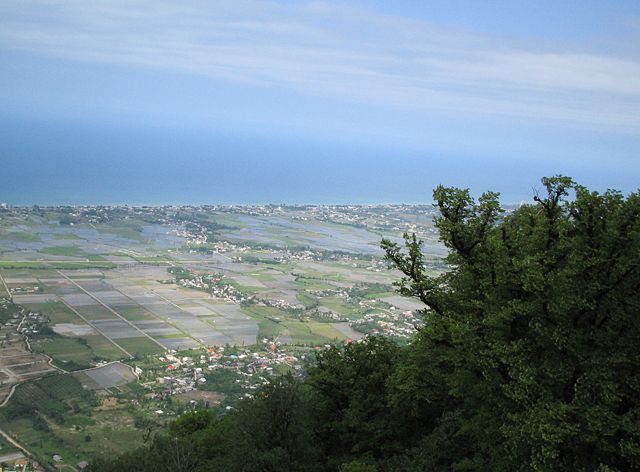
(78, 299)
(18, 365)
(73, 329)
(105, 377)
(94, 311)
(134, 313)
(309, 271)
(57, 312)
(34, 298)
(347, 330)
(141, 346)
(404, 303)
(59, 286)
(105, 348)
(188, 313)
(156, 328)
(117, 329)
(68, 352)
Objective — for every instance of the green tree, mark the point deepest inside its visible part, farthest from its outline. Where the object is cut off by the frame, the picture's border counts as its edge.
(40, 424)
(349, 398)
(529, 357)
(276, 427)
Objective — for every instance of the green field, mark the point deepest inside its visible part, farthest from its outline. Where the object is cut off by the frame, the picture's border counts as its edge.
(56, 311)
(325, 330)
(68, 353)
(62, 250)
(311, 332)
(340, 305)
(274, 322)
(312, 283)
(21, 236)
(140, 347)
(309, 301)
(56, 265)
(262, 276)
(55, 415)
(6, 447)
(103, 348)
(73, 353)
(68, 237)
(95, 312)
(26, 272)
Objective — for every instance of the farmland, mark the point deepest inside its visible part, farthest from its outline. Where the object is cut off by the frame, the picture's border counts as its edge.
(57, 416)
(85, 287)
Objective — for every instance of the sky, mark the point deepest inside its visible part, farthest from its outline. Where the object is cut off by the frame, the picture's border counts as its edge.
(154, 102)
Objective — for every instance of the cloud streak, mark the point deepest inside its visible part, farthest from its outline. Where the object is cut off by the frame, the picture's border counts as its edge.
(328, 50)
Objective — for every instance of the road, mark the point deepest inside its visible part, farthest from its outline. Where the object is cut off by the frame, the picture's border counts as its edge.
(14, 443)
(5, 286)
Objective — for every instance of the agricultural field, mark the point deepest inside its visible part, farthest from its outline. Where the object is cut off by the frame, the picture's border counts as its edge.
(97, 301)
(57, 416)
(105, 377)
(109, 278)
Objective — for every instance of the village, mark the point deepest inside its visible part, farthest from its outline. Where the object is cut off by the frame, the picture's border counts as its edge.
(215, 285)
(231, 372)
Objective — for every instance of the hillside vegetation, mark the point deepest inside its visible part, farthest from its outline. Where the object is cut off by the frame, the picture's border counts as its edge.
(528, 358)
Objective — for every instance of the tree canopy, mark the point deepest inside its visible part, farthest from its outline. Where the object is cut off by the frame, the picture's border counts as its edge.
(530, 345)
(528, 358)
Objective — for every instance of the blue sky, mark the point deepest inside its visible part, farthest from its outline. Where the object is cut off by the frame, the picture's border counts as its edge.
(361, 101)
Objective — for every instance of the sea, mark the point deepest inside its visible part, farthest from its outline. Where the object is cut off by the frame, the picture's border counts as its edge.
(47, 163)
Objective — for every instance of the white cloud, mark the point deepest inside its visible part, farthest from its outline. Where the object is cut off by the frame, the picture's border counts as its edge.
(329, 50)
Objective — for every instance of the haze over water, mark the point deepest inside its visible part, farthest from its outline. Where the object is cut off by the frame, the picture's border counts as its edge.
(314, 102)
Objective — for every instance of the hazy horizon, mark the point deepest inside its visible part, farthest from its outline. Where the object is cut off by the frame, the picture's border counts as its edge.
(314, 102)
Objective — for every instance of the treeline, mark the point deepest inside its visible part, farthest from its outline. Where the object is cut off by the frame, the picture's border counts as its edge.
(528, 359)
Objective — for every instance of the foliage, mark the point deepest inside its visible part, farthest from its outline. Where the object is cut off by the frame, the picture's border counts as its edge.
(8, 310)
(52, 396)
(180, 273)
(348, 391)
(529, 347)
